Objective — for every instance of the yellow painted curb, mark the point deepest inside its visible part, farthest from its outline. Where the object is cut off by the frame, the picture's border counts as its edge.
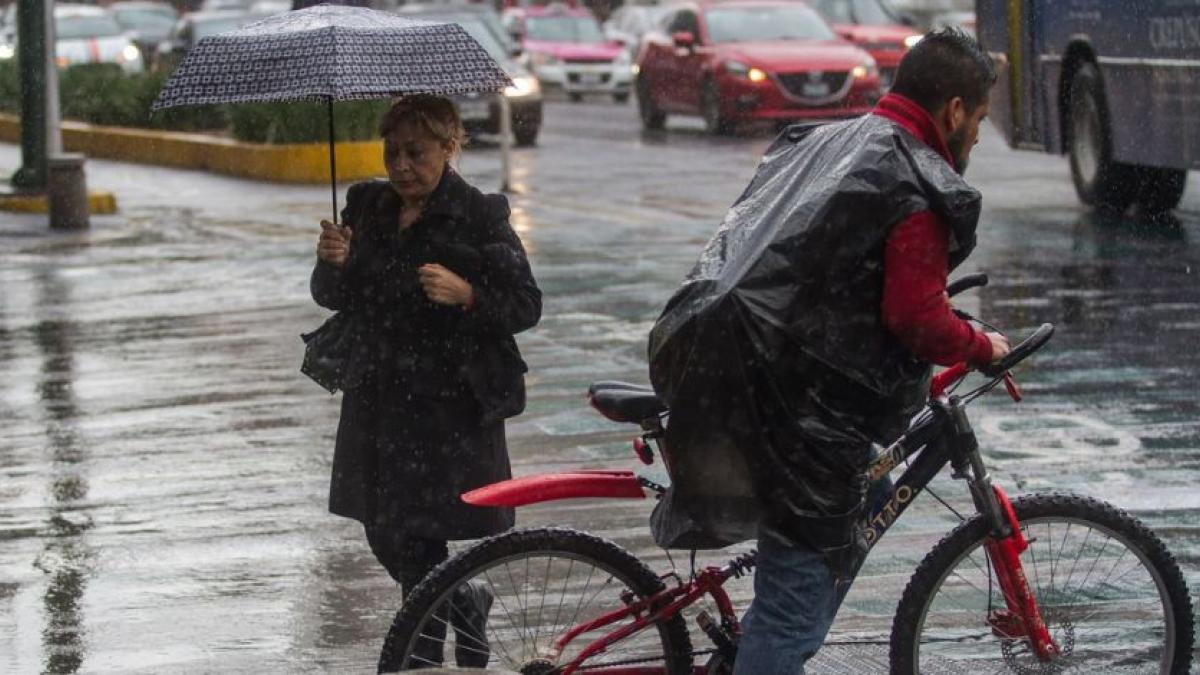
(99, 203)
(296, 163)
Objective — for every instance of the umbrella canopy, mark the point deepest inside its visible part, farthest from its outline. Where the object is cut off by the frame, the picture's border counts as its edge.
(332, 52)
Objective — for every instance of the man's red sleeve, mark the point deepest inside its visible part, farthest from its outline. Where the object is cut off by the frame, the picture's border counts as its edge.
(915, 306)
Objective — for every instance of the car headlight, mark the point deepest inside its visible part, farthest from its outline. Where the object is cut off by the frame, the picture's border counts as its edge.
(912, 40)
(131, 53)
(865, 69)
(7, 52)
(742, 70)
(523, 85)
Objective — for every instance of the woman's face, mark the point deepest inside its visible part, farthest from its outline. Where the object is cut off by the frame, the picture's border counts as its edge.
(415, 161)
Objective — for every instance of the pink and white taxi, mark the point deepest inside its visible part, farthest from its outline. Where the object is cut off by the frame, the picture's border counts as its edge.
(566, 49)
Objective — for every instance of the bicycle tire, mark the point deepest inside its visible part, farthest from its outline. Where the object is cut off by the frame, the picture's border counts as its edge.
(967, 643)
(421, 609)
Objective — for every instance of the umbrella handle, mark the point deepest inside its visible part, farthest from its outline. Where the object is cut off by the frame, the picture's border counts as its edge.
(332, 162)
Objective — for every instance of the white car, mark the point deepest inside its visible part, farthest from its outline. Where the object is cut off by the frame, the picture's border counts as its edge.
(89, 34)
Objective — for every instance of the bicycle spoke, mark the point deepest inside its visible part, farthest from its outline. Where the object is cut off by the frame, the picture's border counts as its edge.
(1097, 596)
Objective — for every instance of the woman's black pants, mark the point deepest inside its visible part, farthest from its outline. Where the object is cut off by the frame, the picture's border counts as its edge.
(408, 559)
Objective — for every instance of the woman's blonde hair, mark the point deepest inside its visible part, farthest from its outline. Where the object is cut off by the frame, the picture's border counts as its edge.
(437, 115)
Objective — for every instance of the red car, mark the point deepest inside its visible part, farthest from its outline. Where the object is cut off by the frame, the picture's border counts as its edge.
(742, 60)
(874, 26)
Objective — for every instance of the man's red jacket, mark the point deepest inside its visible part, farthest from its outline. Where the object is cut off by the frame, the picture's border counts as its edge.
(915, 306)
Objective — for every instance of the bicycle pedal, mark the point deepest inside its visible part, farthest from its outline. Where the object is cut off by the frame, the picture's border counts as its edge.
(720, 638)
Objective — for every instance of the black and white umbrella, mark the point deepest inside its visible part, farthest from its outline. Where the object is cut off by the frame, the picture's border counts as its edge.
(332, 53)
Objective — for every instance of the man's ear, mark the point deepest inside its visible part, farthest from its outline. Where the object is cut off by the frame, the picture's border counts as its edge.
(954, 114)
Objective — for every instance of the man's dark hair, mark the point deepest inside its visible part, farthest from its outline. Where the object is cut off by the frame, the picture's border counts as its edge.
(944, 64)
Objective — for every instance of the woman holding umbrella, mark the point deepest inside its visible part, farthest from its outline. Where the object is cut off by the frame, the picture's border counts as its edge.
(437, 284)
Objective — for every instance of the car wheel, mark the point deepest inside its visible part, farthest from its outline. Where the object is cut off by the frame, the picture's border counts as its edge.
(1099, 181)
(575, 98)
(526, 136)
(623, 97)
(710, 108)
(653, 119)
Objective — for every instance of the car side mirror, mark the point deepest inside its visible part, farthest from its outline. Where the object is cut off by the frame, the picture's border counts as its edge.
(907, 19)
(683, 39)
(515, 51)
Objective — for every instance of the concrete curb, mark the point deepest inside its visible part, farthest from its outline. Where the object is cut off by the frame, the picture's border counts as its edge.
(99, 203)
(297, 163)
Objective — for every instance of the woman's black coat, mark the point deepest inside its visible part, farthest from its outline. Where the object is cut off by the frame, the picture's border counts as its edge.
(427, 386)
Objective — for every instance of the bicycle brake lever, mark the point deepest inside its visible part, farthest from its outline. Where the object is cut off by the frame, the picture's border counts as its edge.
(1013, 390)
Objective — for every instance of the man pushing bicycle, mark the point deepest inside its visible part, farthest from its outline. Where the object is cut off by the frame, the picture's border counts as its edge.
(807, 330)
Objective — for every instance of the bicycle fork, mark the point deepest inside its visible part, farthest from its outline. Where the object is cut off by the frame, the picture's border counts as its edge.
(1021, 618)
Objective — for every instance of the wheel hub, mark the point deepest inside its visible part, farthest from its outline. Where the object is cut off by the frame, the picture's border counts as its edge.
(1020, 659)
(539, 667)
(1086, 139)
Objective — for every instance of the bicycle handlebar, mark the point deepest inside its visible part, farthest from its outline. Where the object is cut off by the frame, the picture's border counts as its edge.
(966, 283)
(1019, 353)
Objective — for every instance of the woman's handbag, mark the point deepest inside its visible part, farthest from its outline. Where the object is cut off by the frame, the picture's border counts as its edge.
(327, 351)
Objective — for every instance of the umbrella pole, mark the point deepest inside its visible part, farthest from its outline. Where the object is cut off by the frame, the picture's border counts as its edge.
(332, 163)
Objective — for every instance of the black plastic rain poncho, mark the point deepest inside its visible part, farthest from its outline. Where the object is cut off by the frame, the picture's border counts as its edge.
(773, 355)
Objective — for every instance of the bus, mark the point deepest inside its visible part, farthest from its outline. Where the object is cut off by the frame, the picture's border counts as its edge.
(1114, 84)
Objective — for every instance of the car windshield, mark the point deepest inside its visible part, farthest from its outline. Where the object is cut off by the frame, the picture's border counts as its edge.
(483, 35)
(866, 12)
(213, 26)
(756, 24)
(563, 29)
(86, 26)
(144, 18)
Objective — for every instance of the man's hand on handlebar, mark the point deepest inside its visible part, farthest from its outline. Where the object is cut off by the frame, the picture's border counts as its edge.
(1000, 346)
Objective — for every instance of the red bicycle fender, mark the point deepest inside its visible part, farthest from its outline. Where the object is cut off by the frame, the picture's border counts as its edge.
(549, 487)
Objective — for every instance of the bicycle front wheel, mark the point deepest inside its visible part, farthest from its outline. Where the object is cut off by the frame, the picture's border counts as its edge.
(513, 600)
(1110, 593)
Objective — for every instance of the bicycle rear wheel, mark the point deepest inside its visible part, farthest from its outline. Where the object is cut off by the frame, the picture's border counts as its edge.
(1110, 593)
(505, 601)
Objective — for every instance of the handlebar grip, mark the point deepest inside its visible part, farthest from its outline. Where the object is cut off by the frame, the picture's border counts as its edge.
(966, 283)
(1019, 353)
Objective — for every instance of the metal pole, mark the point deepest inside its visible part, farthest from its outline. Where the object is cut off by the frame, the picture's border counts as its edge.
(332, 162)
(505, 144)
(53, 117)
(31, 55)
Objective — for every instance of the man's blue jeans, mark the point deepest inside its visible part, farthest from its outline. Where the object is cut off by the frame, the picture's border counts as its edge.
(795, 601)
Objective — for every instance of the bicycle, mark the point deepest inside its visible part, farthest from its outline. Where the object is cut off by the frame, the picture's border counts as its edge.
(1045, 583)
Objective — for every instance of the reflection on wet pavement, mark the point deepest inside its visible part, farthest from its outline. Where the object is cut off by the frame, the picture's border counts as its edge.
(164, 466)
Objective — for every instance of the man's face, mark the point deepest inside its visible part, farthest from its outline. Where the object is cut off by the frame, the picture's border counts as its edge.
(964, 132)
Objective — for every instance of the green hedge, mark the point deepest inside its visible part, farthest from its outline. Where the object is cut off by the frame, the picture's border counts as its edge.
(103, 94)
(305, 121)
(10, 87)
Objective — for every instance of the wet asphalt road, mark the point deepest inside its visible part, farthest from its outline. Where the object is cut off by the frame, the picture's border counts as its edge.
(163, 466)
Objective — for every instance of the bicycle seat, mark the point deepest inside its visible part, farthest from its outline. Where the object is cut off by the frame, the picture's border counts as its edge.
(625, 402)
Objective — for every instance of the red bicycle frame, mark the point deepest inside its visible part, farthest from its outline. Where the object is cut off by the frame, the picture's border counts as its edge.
(1020, 619)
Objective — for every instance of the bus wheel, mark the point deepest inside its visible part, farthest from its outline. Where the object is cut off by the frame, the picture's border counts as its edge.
(1099, 180)
(1160, 189)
